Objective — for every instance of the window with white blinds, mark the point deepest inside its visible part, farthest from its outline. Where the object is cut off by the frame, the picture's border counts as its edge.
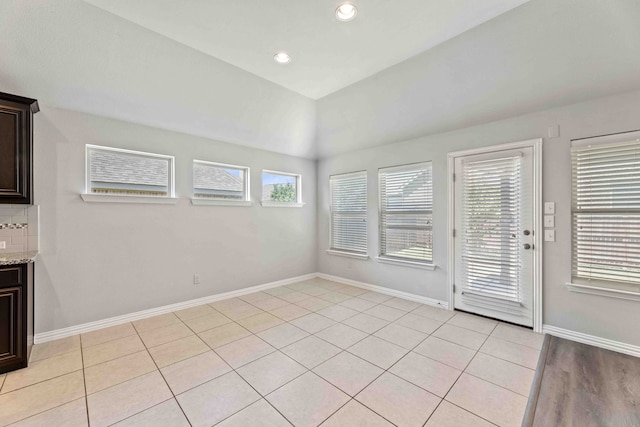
(406, 202)
(491, 236)
(606, 209)
(349, 212)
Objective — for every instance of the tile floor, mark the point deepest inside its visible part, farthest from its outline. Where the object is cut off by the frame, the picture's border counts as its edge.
(311, 353)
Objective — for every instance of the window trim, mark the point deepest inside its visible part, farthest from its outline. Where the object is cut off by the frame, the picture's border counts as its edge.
(203, 201)
(271, 204)
(88, 196)
(384, 258)
(345, 253)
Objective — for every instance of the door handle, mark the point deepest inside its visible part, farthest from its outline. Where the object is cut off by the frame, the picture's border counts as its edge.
(527, 246)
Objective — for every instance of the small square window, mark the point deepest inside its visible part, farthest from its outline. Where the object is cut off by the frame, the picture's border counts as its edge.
(280, 188)
(217, 181)
(114, 171)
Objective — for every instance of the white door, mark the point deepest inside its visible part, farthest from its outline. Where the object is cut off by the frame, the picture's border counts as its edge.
(494, 235)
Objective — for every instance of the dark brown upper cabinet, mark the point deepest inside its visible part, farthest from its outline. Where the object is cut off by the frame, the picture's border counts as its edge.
(16, 148)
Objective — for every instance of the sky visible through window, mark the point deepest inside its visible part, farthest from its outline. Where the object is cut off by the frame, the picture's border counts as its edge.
(270, 178)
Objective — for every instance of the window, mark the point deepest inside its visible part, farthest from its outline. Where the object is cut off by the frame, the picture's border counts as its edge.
(216, 182)
(118, 172)
(405, 213)
(281, 189)
(606, 211)
(349, 213)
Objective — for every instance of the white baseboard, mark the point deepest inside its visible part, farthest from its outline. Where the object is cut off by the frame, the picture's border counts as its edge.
(607, 344)
(112, 321)
(386, 291)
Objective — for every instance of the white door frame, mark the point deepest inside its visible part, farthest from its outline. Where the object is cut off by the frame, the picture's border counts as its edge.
(536, 144)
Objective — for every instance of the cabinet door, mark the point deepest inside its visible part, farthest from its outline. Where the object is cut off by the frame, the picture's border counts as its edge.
(15, 153)
(10, 326)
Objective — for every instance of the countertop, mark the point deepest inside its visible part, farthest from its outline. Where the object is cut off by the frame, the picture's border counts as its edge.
(18, 258)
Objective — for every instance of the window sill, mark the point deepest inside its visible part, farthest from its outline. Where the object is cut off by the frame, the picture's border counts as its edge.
(268, 204)
(347, 254)
(208, 202)
(413, 264)
(112, 198)
(603, 291)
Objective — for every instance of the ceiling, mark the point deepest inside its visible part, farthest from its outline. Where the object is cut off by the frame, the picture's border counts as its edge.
(328, 55)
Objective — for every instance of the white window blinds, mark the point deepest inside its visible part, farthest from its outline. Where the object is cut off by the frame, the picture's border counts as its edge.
(406, 202)
(606, 210)
(491, 236)
(349, 212)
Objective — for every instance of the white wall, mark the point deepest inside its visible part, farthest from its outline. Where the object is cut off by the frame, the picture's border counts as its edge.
(599, 316)
(100, 260)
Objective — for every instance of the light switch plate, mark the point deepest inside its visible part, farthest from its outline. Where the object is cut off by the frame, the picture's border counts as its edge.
(549, 235)
(3, 245)
(549, 207)
(549, 221)
(553, 131)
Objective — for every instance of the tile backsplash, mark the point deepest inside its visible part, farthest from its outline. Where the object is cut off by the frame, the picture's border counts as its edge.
(19, 226)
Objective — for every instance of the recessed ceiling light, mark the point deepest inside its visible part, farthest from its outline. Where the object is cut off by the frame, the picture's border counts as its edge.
(346, 12)
(282, 58)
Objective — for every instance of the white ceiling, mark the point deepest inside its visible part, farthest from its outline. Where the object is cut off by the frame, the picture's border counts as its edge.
(328, 55)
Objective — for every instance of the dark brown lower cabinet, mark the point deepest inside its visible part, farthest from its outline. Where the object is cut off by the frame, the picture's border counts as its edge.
(16, 316)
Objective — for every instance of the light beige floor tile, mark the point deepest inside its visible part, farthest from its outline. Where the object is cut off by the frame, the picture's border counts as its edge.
(366, 323)
(222, 335)
(432, 376)
(262, 411)
(216, 400)
(193, 312)
(449, 415)
(243, 351)
(279, 291)
(107, 334)
(334, 297)
(271, 372)
(402, 304)
(464, 337)
(376, 297)
(2, 377)
(399, 401)
(337, 312)
(289, 312)
(70, 414)
(352, 291)
(348, 372)
(117, 371)
(175, 351)
(518, 335)
(240, 311)
(43, 370)
(475, 323)
(419, 323)
(493, 403)
(156, 322)
(315, 291)
(270, 303)
(512, 352)
(378, 351)
(206, 322)
(355, 414)
(40, 397)
(385, 312)
(399, 335)
(341, 335)
(283, 335)
(307, 400)
(260, 322)
(311, 351)
(295, 297)
(256, 296)
(358, 304)
(165, 334)
(500, 372)
(446, 352)
(165, 414)
(228, 304)
(314, 303)
(112, 350)
(313, 323)
(129, 398)
(54, 348)
(194, 371)
(435, 313)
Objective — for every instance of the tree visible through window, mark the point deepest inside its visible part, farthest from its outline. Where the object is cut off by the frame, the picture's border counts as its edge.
(280, 187)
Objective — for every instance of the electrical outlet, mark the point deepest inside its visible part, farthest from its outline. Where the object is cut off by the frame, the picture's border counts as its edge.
(196, 279)
(3, 245)
(549, 235)
(549, 221)
(549, 207)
